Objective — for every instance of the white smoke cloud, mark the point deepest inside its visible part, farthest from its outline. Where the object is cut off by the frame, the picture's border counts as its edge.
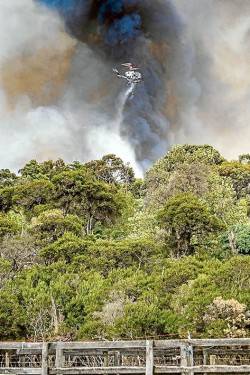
(25, 27)
(27, 132)
(73, 128)
(105, 137)
(218, 34)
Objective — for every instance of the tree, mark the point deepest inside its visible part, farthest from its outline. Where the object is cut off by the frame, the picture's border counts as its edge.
(42, 316)
(244, 158)
(8, 226)
(86, 250)
(6, 195)
(77, 192)
(64, 248)
(111, 170)
(19, 251)
(221, 200)
(226, 318)
(188, 154)
(191, 300)
(239, 174)
(187, 222)
(7, 178)
(192, 178)
(31, 170)
(139, 320)
(12, 321)
(243, 239)
(143, 225)
(39, 312)
(51, 168)
(32, 193)
(50, 225)
(237, 239)
(105, 256)
(185, 168)
(68, 190)
(5, 272)
(101, 203)
(232, 277)
(45, 170)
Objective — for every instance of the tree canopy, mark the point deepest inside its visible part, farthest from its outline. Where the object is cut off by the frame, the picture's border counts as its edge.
(88, 250)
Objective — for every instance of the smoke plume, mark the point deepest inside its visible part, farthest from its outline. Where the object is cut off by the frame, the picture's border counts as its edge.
(59, 97)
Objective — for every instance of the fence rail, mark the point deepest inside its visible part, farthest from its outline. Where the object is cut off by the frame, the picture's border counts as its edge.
(220, 356)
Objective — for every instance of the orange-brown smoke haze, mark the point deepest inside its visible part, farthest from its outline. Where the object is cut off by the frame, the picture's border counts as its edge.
(40, 75)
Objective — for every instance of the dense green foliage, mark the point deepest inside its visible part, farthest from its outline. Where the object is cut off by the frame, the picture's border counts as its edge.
(88, 250)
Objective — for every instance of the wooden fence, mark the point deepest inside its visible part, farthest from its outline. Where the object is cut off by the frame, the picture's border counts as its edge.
(220, 356)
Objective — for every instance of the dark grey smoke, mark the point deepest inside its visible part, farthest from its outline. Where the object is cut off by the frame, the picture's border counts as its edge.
(145, 33)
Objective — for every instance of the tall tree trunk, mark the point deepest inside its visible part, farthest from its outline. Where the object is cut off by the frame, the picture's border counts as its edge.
(89, 229)
(54, 315)
(232, 242)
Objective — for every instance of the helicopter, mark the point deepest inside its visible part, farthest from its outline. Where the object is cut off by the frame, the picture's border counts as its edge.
(132, 76)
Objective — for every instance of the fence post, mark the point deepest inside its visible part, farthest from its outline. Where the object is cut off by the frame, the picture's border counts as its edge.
(187, 356)
(183, 356)
(106, 358)
(205, 357)
(7, 359)
(22, 361)
(212, 360)
(149, 357)
(190, 356)
(45, 358)
(117, 359)
(59, 355)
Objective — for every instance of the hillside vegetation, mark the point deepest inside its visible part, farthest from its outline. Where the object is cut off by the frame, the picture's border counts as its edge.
(90, 252)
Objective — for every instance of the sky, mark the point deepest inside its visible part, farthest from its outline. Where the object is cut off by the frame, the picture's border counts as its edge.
(60, 98)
